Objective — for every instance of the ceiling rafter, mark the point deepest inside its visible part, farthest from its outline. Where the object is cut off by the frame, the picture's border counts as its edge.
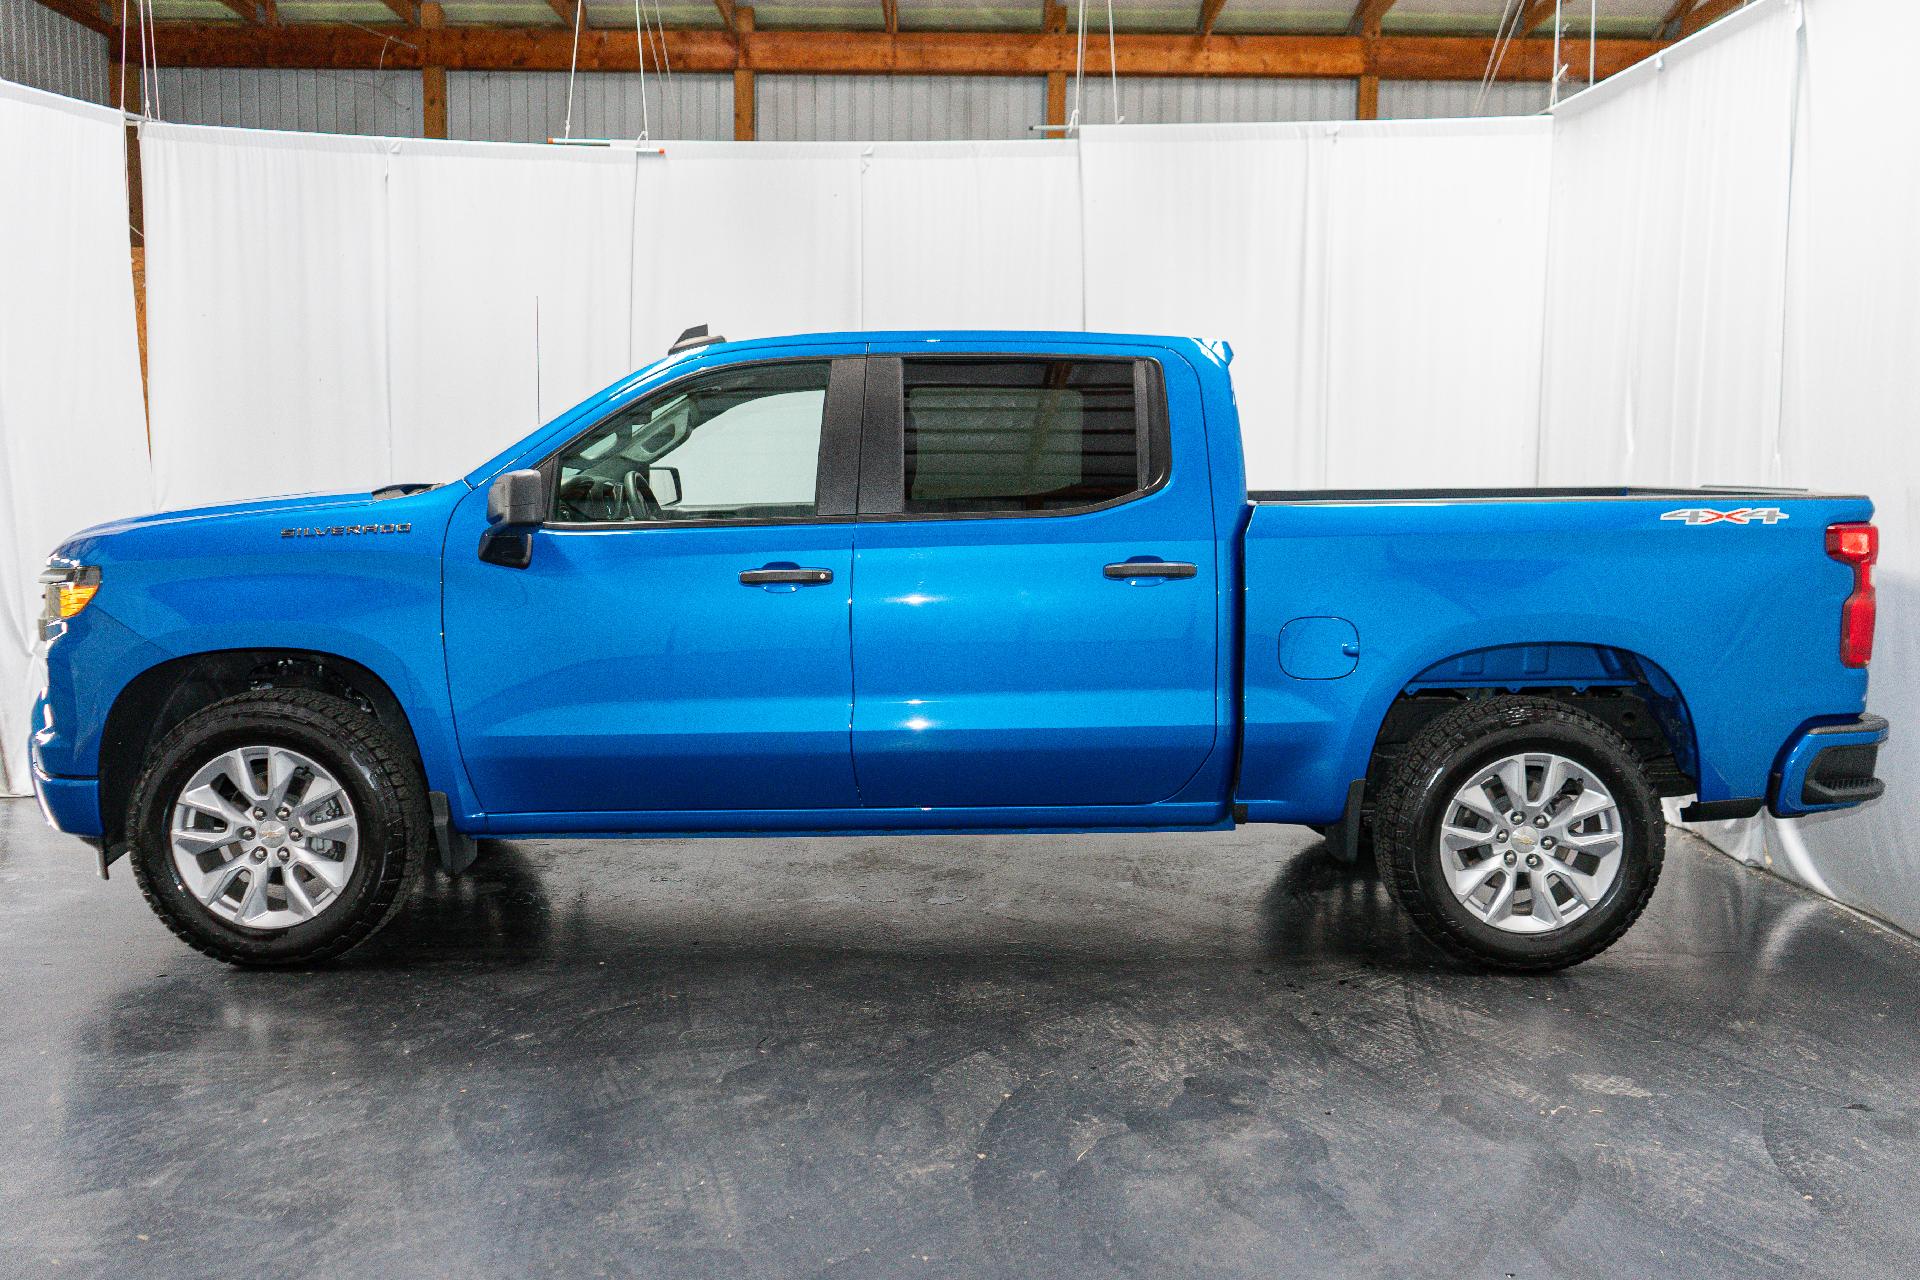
(890, 10)
(1366, 18)
(1210, 14)
(728, 15)
(95, 17)
(406, 10)
(569, 11)
(245, 10)
(1536, 12)
(1702, 14)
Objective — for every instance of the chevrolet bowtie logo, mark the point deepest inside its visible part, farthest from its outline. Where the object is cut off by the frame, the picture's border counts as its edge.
(1739, 515)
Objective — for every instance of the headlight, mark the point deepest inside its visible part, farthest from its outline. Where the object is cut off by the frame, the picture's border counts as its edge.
(70, 588)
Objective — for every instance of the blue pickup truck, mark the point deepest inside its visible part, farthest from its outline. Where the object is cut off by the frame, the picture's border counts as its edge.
(960, 581)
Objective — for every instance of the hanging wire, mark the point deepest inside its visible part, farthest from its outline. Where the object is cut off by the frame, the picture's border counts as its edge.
(122, 86)
(669, 107)
(149, 68)
(1079, 69)
(1502, 37)
(1593, 32)
(1113, 68)
(656, 45)
(640, 35)
(573, 64)
(1553, 85)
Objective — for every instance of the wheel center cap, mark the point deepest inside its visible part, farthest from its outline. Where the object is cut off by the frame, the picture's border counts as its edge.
(1525, 839)
(272, 834)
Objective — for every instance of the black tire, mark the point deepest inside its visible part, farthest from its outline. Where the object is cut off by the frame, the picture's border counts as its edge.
(379, 775)
(1442, 757)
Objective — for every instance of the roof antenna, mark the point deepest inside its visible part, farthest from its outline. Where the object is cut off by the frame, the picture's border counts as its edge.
(694, 337)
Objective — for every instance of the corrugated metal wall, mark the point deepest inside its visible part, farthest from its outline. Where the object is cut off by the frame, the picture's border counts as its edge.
(46, 50)
(384, 103)
(531, 106)
(898, 108)
(1198, 100)
(1452, 99)
(43, 49)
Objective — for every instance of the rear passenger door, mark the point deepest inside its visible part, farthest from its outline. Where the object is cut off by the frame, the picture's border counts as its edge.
(1034, 613)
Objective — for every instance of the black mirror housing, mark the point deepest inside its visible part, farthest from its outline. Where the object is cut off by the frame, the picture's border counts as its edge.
(517, 500)
(516, 506)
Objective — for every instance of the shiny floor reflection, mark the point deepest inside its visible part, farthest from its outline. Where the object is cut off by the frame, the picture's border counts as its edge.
(1085, 1056)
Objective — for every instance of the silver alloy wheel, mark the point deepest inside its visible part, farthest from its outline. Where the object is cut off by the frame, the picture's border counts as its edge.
(264, 837)
(1531, 842)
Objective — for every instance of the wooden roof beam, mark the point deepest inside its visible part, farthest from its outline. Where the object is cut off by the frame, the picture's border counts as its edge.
(728, 16)
(1007, 53)
(890, 10)
(1210, 14)
(568, 11)
(406, 10)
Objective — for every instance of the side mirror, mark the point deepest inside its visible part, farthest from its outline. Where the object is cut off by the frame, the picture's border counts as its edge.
(516, 506)
(517, 500)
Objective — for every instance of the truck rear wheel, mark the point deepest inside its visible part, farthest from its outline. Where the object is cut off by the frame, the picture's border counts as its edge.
(276, 827)
(1520, 833)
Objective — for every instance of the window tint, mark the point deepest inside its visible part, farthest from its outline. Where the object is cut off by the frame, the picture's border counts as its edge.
(1020, 435)
(738, 444)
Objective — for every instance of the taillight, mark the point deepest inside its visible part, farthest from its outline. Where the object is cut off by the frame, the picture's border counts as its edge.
(1859, 546)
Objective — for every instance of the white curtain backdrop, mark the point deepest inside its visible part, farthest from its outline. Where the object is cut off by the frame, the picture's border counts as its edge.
(73, 447)
(510, 301)
(1668, 264)
(1852, 403)
(1735, 298)
(267, 320)
(1381, 285)
(978, 235)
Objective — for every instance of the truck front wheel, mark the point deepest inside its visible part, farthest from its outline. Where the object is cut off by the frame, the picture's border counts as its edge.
(278, 826)
(1520, 833)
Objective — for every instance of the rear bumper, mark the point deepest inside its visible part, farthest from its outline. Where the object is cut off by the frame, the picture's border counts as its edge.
(1830, 766)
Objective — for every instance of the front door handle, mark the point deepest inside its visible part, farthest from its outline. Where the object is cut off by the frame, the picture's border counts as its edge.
(1151, 569)
(798, 576)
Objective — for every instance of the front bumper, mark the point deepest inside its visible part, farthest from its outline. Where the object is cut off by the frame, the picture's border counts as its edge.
(71, 805)
(1829, 766)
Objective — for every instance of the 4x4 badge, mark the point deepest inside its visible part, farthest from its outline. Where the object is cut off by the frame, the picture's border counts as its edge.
(1739, 515)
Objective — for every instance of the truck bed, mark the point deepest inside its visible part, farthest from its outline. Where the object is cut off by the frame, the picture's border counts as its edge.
(1724, 596)
(1576, 493)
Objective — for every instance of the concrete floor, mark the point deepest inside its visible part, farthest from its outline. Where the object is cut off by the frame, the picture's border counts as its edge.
(1213, 1055)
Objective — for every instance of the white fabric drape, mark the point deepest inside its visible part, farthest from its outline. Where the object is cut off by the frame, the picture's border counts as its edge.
(510, 300)
(1668, 264)
(1852, 405)
(1735, 298)
(267, 278)
(1381, 285)
(971, 236)
(73, 448)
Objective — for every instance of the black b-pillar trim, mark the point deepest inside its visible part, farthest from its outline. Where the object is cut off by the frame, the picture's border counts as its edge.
(883, 439)
(837, 483)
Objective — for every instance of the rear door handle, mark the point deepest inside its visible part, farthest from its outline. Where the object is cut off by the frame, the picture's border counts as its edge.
(1151, 569)
(806, 577)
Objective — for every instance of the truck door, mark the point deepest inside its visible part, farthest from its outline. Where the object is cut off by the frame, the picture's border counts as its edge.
(679, 640)
(1034, 613)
